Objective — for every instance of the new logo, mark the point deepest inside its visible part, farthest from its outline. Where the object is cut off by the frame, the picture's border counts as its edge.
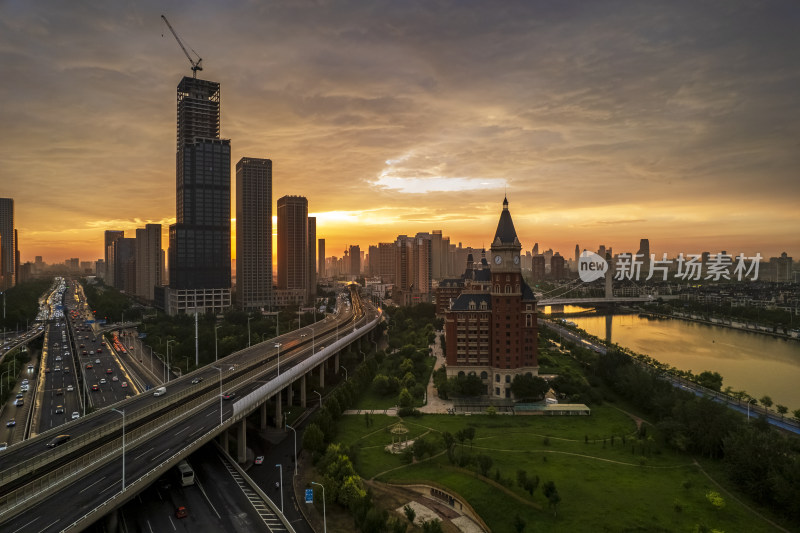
(591, 266)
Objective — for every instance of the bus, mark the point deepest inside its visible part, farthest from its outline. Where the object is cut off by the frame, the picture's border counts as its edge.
(186, 473)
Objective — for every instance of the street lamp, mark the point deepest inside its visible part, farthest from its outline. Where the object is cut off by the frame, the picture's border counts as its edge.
(220, 393)
(248, 330)
(752, 401)
(280, 474)
(278, 346)
(122, 412)
(312, 338)
(216, 343)
(320, 397)
(168, 341)
(324, 518)
(295, 448)
(345, 371)
(376, 346)
(363, 355)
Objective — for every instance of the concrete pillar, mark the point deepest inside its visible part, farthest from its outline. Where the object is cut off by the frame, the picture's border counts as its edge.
(263, 409)
(278, 410)
(303, 391)
(322, 375)
(336, 363)
(225, 443)
(241, 455)
(289, 394)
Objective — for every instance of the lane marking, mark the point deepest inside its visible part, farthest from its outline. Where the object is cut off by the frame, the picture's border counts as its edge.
(143, 454)
(93, 484)
(159, 455)
(26, 525)
(181, 431)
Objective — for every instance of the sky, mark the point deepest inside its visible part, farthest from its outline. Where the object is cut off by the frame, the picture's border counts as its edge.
(603, 122)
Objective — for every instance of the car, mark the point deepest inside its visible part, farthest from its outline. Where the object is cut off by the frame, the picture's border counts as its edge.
(195, 381)
(3, 446)
(47, 370)
(19, 396)
(59, 392)
(75, 415)
(58, 441)
(57, 369)
(124, 385)
(114, 378)
(19, 402)
(228, 395)
(24, 381)
(89, 365)
(83, 346)
(59, 409)
(84, 352)
(66, 370)
(58, 358)
(70, 388)
(259, 460)
(109, 371)
(181, 512)
(97, 361)
(23, 388)
(11, 423)
(95, 387)
(30, 368)
(103, 381)
(91, 352)
(100, 350)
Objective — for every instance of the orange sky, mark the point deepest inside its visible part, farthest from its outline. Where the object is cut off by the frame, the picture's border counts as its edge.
(677, 122)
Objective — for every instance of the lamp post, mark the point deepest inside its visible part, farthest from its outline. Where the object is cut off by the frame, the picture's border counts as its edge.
(751, 401)
(312, 338)
(345, 371)
(324, 518)
(216, 343)
(3, 380)
(376, 346)
(220, 392)
(295, 448)
(168, 341)
(248, 330)
(278, 346)
(363, 355)
(280, 474)
(122, 412)
(320, 397)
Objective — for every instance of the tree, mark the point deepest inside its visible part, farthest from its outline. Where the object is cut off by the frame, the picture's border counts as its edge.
(529, 387)
(710, 380)
(405, 399)
(522, 478)
(796, 414)
(469, 433)
(551, 493)
(715, 499)
(484, 463)
(396, 525)
(411, 514)
(782, 409)
(313, 439)
(766, 401)
(432, 526)
(491, 411)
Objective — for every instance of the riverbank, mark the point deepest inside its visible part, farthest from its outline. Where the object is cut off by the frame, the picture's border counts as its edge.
(726, 323)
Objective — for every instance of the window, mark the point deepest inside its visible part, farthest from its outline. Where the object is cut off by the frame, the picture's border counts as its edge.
(461, 374)
(508, 379)
(484, 375)
(497, 378)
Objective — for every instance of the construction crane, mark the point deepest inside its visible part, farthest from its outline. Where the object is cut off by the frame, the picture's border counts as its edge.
(195, 64)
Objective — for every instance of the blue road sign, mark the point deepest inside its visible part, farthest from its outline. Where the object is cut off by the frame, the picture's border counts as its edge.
(309, 495)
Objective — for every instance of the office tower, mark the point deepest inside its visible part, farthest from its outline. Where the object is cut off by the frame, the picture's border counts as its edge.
(644, 255)
(537, 267)
(321, 258)
(122, 257)
(577, 255)
(601, 251)
(536, 248)
(312, 258)
(148, 261)
(355, 260)
(413, 269)
(16, 257)
(558, 268)
(293, 243)
(254, 233)
(385, 262)
(110, 237)
(200, 240)
(7, 246)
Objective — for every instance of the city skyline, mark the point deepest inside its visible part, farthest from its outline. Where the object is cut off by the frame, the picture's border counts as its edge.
(603, 125)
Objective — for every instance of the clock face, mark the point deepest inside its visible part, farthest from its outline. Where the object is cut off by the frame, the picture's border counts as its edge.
(516, 259)
(498, 259)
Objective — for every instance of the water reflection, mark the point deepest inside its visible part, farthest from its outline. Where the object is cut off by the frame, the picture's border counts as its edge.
(760, 364)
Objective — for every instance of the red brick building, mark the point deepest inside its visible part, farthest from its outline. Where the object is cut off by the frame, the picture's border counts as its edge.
(491, 328)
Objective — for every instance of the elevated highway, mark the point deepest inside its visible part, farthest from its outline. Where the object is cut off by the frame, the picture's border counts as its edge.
(68, 487)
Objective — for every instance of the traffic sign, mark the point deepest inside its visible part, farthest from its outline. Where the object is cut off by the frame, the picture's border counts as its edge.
(309, 495)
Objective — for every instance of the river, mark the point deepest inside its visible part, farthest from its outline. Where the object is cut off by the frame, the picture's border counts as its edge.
(759, 364)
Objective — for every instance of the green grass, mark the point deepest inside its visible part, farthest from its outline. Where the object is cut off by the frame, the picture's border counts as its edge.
(603, 488)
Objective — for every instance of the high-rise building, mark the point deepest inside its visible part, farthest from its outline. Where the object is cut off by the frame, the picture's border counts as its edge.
(644, 255)
(110, 236)
(413, 269)
(254, 233)
(293, 243)
(321, 259)
(355, 260)
(148, 261)
(312, 258)
(200, 240)
(7, 244)
(122, 255)
(558, 269)
(577, 255)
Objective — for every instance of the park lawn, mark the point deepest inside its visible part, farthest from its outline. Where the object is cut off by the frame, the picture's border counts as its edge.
(371, 400)
(602, 489)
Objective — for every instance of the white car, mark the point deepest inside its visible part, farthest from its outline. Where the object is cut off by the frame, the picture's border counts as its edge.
(70, 388)
(75, 415)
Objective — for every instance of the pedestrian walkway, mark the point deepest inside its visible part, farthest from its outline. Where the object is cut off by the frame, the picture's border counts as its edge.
(434, 403)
